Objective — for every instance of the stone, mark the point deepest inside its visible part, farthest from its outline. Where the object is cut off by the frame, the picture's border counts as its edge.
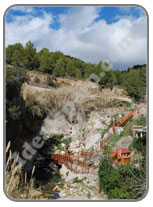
(63, 145)
(74, 198)
(107, 134)
(73, 185)
(118, 130)
(92, 139)
(125, 99)
(62, 194)
(124, 142)
(67, 176)
(56, 125)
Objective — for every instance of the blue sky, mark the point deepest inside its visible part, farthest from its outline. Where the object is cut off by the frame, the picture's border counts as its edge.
(89, 33)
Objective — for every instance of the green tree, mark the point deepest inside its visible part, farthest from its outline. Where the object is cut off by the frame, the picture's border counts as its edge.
(108, 80)
(46, 62)
(15, 54)
(15, 77)
(31, 60)
(118, 79)
(124, 182)
(135, 83)
(59, 70)
(70, 68)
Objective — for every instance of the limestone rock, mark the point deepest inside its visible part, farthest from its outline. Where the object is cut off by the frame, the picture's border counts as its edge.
(118, 130)
(124, 142)
(92, 139)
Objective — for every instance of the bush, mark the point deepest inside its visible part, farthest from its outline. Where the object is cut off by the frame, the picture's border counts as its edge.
(15, 77)
(125, 182)
(50, 82)
(17, 184)
(36, 80)
(135, 83)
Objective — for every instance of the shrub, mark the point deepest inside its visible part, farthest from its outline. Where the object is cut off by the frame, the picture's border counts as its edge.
(135, 83)
(125, 182)
(36, 80)
(17, 185)
(50, 82)
(15, 77)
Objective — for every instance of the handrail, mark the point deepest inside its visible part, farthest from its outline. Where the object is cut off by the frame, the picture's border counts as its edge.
(71, 160)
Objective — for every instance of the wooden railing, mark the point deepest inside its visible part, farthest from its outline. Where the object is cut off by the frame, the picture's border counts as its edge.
(72, 160)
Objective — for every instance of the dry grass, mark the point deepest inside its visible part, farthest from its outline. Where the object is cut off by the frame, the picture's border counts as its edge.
(79, 96)
(16, 184)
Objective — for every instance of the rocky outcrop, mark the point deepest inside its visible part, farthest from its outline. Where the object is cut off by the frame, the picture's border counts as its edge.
(124, 142)
(92, 139)
(78, 186)
(84, 134)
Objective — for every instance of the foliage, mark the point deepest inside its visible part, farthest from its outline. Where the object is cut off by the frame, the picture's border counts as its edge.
(89, 195)
(139, 122)
(18, 185)
(135, 83)
(104, 132)
(52, 142)
(50, 82)
(139, 145)
(15, 54)
(30, 56)
(67, 173)
(36, 80)
(107, 81)
(77, 180)
(60, 65)
(67, 141)
(125, 182)
(115, 138)
(15, 77)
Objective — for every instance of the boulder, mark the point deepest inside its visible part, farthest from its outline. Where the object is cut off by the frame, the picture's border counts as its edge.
(124, 142)
(118, 130)
(107, 134)
(92, 139)
(67, 174)
(56, 125)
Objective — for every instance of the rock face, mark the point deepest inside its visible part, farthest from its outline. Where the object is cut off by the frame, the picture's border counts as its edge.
(124, 142)
(91, 140)
(84, 134)
(55, 125)
(125, 99)
(67, 174)
(118, 130)
(82, 189)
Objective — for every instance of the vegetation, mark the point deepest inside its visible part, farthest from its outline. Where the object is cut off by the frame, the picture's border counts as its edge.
(44, 61)
(135, 83)
(124, 182)
(57, 64)
(77, 180)
(50, 82)
(15, 77)
(139, 122)
(18, 185)
(23, 103)
(115, 139)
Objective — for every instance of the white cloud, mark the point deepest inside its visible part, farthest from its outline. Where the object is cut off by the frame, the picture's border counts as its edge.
(123, 43)
(24, 9)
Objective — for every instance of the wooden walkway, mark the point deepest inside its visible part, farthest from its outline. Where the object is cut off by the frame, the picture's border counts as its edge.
(72, 160)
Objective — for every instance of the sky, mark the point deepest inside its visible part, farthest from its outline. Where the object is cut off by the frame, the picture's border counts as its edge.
(117, 35)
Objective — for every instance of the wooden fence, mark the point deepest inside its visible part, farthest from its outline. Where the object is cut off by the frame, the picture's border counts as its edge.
(72, 160)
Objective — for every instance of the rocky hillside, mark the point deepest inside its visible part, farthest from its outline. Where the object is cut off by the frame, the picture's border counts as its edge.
(82, 116)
